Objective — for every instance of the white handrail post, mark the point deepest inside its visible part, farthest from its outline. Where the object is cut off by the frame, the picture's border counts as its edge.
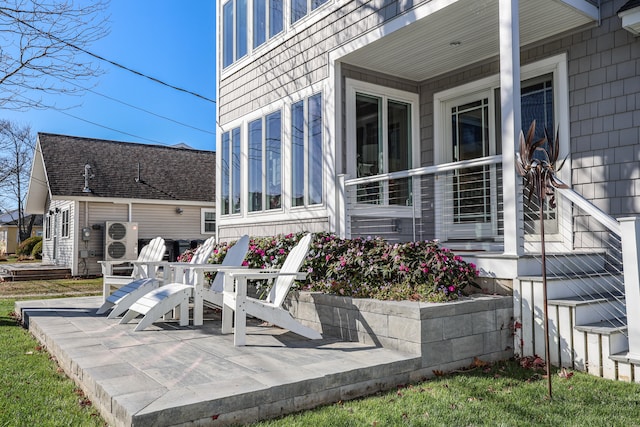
(630, 237)
(342, 209)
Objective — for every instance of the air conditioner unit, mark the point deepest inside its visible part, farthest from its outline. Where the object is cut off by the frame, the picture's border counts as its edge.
(121, 241)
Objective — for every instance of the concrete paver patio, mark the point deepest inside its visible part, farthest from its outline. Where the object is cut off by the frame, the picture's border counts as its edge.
(172, 375)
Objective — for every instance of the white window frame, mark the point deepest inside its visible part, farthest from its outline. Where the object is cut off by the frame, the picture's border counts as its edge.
(306, 160)
(557, 66)
(386, 93)
(247, 31)
(289, 30)
(65, 224)
(310, 212)
(242, 135)
(47, 227)
(203, 220)
(245, 177)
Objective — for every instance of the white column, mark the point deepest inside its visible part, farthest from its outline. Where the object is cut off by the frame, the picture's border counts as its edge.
(341, 208)
(510, 107)
(630, 235)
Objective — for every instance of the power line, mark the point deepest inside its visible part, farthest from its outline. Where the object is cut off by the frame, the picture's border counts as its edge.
(98, 124)
(101, 58)
(110, 128)
(140, 108)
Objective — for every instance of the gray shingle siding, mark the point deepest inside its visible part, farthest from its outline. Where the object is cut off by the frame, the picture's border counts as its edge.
(604, 90)
(302, 59)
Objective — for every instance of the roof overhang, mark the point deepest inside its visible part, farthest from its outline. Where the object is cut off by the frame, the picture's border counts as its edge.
(631, 20)
(445, 35)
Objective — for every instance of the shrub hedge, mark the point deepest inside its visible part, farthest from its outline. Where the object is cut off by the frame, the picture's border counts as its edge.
(26, 246)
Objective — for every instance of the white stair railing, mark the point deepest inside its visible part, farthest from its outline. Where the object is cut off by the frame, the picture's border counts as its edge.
(420, 204)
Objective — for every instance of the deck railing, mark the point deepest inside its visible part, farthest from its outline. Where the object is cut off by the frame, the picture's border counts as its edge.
(461, 204)
(447, 200)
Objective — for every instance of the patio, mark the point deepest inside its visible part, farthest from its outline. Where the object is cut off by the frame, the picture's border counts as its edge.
(171, 375)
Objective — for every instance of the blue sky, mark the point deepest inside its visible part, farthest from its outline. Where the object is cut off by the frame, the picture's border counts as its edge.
(171, 40)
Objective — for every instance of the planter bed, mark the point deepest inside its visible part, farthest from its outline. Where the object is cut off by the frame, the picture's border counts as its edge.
(445, 335)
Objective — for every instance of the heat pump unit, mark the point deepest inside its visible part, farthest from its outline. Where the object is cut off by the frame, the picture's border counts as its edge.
(121, 241)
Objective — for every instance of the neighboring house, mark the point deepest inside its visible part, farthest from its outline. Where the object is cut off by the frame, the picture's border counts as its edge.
(9, 235)
(401, 119)
(81, 183)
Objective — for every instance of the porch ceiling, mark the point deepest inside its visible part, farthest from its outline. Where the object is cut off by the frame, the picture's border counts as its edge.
(424, 49)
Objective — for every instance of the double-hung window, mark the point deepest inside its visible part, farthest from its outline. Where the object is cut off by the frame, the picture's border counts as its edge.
(65, 223)
(306, 152)
(382, 134)
(47, 227)
(265, 163)
(230, 172)
(208, 217)
(268, 20)
(234, 36)
(300, 8)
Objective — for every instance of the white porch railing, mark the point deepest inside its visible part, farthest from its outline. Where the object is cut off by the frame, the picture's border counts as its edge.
(461, 204)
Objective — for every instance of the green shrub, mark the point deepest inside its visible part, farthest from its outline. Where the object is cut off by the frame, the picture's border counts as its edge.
(36, 252)
(26, 246)
(367, 267)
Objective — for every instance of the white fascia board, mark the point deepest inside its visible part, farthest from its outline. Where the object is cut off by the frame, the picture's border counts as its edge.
(584, 7)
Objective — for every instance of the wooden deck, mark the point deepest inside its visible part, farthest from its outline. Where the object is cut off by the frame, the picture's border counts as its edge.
(32, 271)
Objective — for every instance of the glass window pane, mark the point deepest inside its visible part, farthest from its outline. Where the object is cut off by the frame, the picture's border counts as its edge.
(273, 160)
(210, 222)
(315, 149)
(298, 10)
(241, 28)
(225, 175)
(471, 186)
(368, 145)
(317, 3)
(276, 17)
(297, 154)
(259, 22)
(537, 104)
(255, 166)
(399, 148)
(227, 34)
(235, 170)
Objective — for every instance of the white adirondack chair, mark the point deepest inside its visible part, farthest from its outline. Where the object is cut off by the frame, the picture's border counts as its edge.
(152, 252)
(158, 302)
(123, 298)
(235, 298)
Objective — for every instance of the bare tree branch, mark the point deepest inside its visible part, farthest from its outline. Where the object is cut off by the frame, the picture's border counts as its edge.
(16, 149)
(41, 48)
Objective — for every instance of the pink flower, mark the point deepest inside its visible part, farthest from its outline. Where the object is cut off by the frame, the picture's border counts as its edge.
(452, 288)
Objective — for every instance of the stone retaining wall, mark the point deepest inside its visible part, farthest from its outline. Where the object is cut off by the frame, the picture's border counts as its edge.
(445, 335)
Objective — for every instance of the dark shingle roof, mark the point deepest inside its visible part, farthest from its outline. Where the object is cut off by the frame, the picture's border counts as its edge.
(166, 173)
(629, 5)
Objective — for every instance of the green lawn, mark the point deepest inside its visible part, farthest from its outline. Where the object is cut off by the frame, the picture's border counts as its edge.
(35, 392)
(504, 394)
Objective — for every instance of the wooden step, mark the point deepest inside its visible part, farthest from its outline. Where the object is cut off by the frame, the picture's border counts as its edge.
(603, 340)
(37, 272)
(559, 287)
(591, 309)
